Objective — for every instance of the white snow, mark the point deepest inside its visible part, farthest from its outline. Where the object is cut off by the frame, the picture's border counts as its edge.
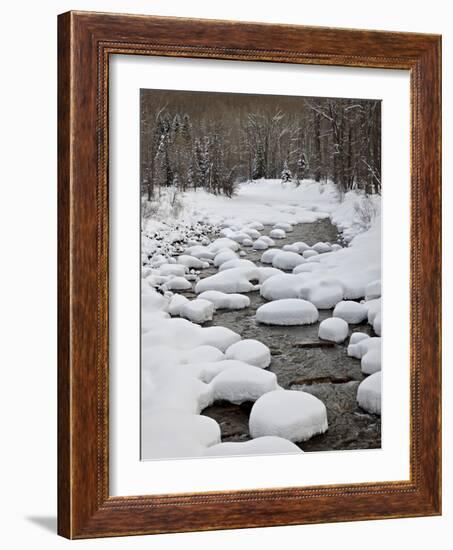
(377, 323)
(200, 252)
(247, 242)
(371, 361)
(351, 312)
(197, 311)
(259, 446)
(277, 234)
(250, 351)
(260, 244)
(221, 300)
(359, 349)
(229, 264)
(232, 280)
(281, 286)
(206, 371)
(321, 248)
(293, 415)
(244, 383)
(177, 283)
(177, 301)
(223, 242)
(373, 290)
(333, 329)
(357, 337)
(309, 253)
(369, 394)
(173, 269)
(287, 312)
(191, 262)
(224, 256)
(175, 434)
(287, 260)
(267, 240)
(323, 295)
(286, 227)
(269, 255)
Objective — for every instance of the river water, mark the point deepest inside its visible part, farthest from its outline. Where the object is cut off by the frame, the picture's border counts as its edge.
(325, 371)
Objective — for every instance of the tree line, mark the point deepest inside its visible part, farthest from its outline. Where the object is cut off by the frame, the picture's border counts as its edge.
(184, 146)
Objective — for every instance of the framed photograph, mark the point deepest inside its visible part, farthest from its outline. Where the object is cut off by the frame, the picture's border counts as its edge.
(249, 275)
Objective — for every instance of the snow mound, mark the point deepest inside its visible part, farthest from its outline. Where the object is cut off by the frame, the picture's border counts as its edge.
(333, 329)
(369, 394)
(293, 415)
(172, 269)
(357, 337)
(287, 260)
(232, 280)
(223, 242)
(197, 311)
(321, 248)
(183, 334)
(256, 225)
(307, 267)
(371, 361)
(252, 233)
(191, 262)
(260, 446)
(177, 283)
(287, 312)
(269, 255)
(286, 227)
(267, 240)
(290, 248)
(247, 242)
(229, 264)
(309, 253)
(224, 256)
(200, 252)
(260, 244)
(323, 295)
(281, 287)
(177, 301)
(351, 312)
(359, 349)
(277, 234)
(377, 324)
(373, 307)
(373, 290)
(250, 351)
(207, 370)
(171, 434)
(244, 383)
(225, 301)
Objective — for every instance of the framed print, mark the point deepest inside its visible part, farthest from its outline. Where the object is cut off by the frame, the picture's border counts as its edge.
(249, 275)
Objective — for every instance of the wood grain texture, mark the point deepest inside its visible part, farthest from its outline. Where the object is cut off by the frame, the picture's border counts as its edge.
(86, 40)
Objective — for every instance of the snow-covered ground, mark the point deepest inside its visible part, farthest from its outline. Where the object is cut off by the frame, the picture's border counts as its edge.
(186, 366)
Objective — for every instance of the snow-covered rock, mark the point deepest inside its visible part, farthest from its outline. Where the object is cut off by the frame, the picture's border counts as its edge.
(269, 255)
(191, 262)
(321, 248)
(252, 233)
(287, 260)
(359, 349)
(177, 283)
(250, 351)
(199, 251)
(307, 267)
(221, 300)
(371, 361)
(173, 269)
(171, 434)
(277, 234)
(223, 242)
(247, 242)
(236, 263)
(256, 225)
(373, 290)
(265, 445)
(224, 256)
(290, 248)
(245, 383)
(198, 311)
(232, 280)
(309, 253)
(357, 337)
(333, 329)
(207, 370)
(177, 301)
(351, 312)
(323, 295)
(377, 323)
(260, 244)
(281, 286)
(369, 394)
(267, 240)
(293, 415)
(373, 307)
(287, 312)
(286, 227)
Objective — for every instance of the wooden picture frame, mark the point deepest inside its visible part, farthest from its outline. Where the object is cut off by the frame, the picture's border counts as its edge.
(85, 42)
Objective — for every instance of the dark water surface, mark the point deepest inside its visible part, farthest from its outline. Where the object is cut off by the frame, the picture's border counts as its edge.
(326, 372)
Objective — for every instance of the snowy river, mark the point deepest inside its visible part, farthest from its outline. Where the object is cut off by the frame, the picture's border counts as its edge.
(301, 362)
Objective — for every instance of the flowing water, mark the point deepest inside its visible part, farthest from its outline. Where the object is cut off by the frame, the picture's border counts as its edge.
(325, 370)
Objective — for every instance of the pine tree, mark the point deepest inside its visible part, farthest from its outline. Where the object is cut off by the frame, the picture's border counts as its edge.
(286, 174)
(259, 165)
